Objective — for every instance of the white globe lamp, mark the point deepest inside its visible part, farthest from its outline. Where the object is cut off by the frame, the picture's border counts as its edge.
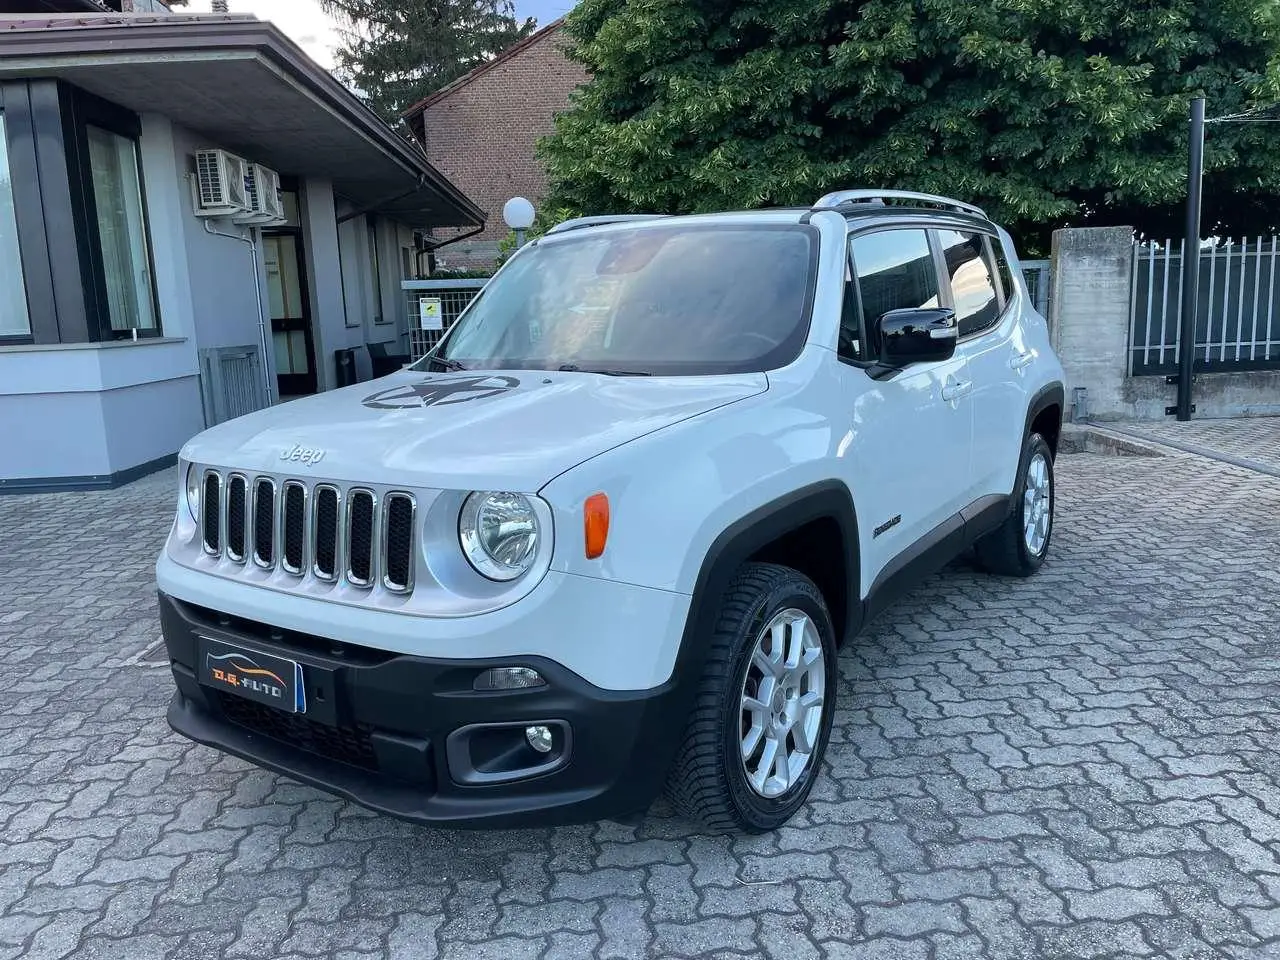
(517, 213)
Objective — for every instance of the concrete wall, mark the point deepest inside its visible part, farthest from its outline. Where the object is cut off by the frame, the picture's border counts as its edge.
(1089, 319)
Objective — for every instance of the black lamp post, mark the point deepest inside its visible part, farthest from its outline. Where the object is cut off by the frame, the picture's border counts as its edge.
(1191, 262)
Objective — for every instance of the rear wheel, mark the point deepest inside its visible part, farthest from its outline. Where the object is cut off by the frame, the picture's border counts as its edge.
(1020, 544)
(762, 718)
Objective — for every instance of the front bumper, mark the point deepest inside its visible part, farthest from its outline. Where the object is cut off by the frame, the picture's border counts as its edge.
(409, 736)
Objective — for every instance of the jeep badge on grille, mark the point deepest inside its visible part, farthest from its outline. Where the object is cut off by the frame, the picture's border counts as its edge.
(308, 455)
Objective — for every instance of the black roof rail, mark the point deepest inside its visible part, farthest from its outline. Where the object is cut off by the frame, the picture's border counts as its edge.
(577, 223)
(840, 198)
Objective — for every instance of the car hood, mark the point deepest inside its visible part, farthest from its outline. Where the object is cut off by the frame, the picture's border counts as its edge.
(511, 430)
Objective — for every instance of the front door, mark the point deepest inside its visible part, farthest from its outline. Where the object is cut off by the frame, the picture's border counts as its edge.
(908, 459)
(290, 312)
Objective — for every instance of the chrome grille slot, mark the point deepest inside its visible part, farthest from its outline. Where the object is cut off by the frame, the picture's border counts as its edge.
(397, 542)
(293, 527)
(361, 505)
(325, 532)
(264, 522)
(211, 513)
(237, 496)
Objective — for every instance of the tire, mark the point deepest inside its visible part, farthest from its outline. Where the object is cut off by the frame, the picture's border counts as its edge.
(709, 780)
(1010, 550)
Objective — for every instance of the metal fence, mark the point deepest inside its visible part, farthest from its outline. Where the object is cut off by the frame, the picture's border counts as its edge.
(231, 383)
(433, 307)
(1036, 273)
(1236, 328)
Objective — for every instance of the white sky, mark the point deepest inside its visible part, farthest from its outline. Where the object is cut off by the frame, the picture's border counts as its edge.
(307, 26)
(301, 20)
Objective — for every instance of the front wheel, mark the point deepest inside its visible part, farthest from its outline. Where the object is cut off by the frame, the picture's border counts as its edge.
(762, 718)
(1018, 546)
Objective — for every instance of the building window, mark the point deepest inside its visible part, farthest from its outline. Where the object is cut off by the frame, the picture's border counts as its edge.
(14, 319)
(122, 233)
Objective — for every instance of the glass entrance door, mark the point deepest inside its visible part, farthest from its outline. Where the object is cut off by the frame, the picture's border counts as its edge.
(290, 313)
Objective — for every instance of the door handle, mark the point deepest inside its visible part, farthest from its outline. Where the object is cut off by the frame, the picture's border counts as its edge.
(1020, 360)
(956, 389)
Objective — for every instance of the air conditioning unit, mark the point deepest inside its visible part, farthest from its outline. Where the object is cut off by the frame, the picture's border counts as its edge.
(222, 188)
(265, 205)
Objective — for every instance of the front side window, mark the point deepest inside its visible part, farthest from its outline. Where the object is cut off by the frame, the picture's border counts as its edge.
(14, 319)
(666, 300)
(895, 271)
(972, 281)
(122, 232)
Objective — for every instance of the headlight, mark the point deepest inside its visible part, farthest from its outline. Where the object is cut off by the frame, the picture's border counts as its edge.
(193, 491)
(499, 534)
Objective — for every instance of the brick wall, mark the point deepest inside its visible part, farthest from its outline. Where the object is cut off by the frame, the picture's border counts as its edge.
(482, 131)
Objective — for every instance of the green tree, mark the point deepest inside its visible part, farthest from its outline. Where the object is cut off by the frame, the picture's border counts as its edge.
(395, 52)
(1044, 111)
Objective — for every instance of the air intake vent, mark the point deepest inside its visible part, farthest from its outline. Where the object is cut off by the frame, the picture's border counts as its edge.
(397, 537)
(325, 533)
(237, 495)
(264, 523)
(294, 528)
(360, 509)
(211, 513)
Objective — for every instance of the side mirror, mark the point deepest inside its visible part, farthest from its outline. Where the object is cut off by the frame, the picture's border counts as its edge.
(924, 335)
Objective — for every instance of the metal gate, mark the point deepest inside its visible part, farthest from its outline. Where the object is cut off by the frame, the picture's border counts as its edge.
(1036, 273)
(231, 383)
(433, 307)
(1235, 324)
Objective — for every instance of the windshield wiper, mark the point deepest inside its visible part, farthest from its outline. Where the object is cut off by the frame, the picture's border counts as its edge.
(574, 368)
(447, 363)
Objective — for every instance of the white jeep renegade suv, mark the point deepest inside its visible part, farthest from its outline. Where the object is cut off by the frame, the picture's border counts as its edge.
(610, 534)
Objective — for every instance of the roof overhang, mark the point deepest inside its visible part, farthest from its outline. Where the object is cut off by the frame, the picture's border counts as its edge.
(245, 87)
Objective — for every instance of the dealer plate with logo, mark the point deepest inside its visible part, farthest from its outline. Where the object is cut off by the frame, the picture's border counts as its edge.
(275, 681)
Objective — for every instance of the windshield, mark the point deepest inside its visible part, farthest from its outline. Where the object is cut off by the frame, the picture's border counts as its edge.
(690, 299)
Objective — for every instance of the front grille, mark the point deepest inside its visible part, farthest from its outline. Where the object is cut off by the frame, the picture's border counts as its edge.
(349, 745)
(212, 510)
(293, 540)
(398, 537)
(237, 493)
(352, 535)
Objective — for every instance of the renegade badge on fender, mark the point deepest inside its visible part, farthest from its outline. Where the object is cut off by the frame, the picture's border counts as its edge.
(609, 535)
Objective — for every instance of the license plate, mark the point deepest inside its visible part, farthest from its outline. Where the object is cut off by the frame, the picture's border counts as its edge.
(254, 675)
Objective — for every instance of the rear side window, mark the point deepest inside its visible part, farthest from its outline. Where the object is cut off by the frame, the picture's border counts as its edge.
(972, 281)
(895, 271)
(1002, 268)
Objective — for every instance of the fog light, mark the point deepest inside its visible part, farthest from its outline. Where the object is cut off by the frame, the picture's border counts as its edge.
(509, 678)
(539, 738)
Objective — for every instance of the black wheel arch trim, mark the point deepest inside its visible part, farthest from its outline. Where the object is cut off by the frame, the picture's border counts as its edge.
(828, 499)
(1044, 398)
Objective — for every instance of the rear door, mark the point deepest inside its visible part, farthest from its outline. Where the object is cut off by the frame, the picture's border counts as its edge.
(989, 345)
(908, 459)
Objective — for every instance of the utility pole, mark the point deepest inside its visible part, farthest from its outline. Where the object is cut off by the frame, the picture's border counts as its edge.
(1191, 262)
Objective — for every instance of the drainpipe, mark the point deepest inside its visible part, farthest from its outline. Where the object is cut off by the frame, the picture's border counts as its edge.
(257, 298)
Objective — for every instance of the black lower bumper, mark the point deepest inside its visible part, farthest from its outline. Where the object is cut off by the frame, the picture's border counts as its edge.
(411, 737)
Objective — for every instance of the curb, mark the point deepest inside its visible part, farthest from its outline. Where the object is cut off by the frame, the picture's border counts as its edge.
(1089, 438)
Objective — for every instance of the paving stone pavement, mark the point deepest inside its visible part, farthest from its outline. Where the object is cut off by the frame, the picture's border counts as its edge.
(1078, 765)
(1253, 439)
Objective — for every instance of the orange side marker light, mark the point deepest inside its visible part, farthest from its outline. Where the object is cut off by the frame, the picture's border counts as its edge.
(595, 519)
